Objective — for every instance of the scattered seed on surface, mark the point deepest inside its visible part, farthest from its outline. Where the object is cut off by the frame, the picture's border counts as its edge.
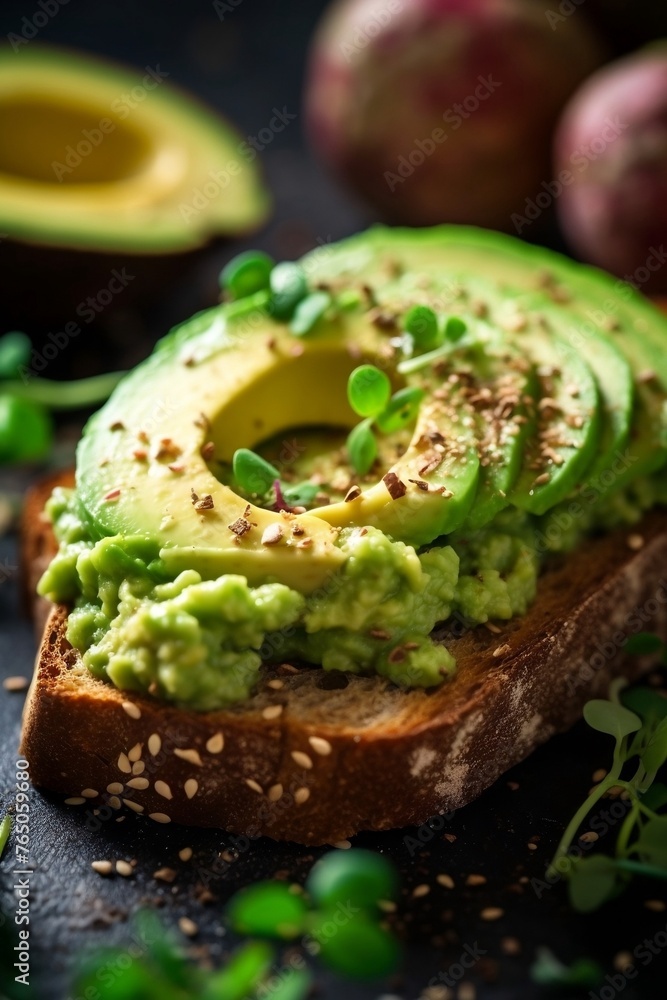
(276, 684)
(185, 853)
(114, 802)
(115, 788)
(655, 905)
(216, 743)
(124, 764)
(445, 880)
(254, 786)
(191, 787)
(134, 806)
(599, 775)
(301, 759)
(139, 783)
(165, 874)
(467, 991)
(135, 753)
(342, 845)
(138, 767)
(275, 792)
(188, 927)
(160, 817)
(90, 793)
(272, 711)
(301, 795)
(132, 710)
(635, 542)
(511, 946)
(75, 800)
(124, 868)
(532, 846)
(192, 756)
(15, 683)
(502, 650)
(589, 837)
(320, 745)
(492, 913)
(421, 890)
(102, 867)
(163, 789)
(476, 880)
(154, 744)
(622, 960)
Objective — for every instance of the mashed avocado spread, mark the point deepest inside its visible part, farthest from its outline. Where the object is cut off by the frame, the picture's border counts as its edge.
(502, 439)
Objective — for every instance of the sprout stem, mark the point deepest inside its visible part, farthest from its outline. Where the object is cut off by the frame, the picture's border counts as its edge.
(65, 395)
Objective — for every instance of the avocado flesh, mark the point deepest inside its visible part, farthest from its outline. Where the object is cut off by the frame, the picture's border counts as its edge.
(251, 379)
(109, 158)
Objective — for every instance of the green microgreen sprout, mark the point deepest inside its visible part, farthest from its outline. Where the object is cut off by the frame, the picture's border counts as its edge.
(354, 883)
(5, 830)
(547, 970)
(421, 323)
(454, 330)
(254, 476)
(247, 273)
(369, 395)
(26, 428)
(636, 719)
(288, 287)
(308, 312)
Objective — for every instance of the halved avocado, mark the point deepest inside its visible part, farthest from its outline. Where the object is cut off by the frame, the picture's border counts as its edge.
(104, 167)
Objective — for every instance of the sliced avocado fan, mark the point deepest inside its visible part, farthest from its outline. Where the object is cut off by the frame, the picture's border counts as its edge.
(96, 156)
(558, 381)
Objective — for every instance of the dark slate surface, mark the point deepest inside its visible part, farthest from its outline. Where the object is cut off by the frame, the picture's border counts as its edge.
(247, 64)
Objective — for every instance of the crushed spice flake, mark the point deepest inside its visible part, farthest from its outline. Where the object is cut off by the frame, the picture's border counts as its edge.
(202, 503)
(111, 495)
(396, 488)
(131, 709)
(207, 451)
(167, 449)
(239, 527)
(352, 493)
(203, 422)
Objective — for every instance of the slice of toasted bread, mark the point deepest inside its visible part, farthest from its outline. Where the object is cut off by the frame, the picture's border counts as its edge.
(322, 756)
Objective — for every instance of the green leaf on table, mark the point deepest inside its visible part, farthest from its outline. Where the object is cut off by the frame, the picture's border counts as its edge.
(547, 970)
(591, 882)
(643, 644)
(295, 985)
(652, 842)
(610, 717)
(655, 797)
(243, 973)
(655, 753)
(647, 704)
(268, 909)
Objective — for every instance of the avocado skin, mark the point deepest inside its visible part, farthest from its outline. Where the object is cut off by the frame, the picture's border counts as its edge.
(45, 287)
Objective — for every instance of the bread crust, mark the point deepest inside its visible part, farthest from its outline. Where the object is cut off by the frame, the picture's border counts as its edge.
(367, 756)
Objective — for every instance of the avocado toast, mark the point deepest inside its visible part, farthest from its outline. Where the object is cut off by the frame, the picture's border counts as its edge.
(251, 640)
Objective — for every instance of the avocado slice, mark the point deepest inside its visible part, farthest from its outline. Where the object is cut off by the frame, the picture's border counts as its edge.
(149, 463)
(102, 159)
